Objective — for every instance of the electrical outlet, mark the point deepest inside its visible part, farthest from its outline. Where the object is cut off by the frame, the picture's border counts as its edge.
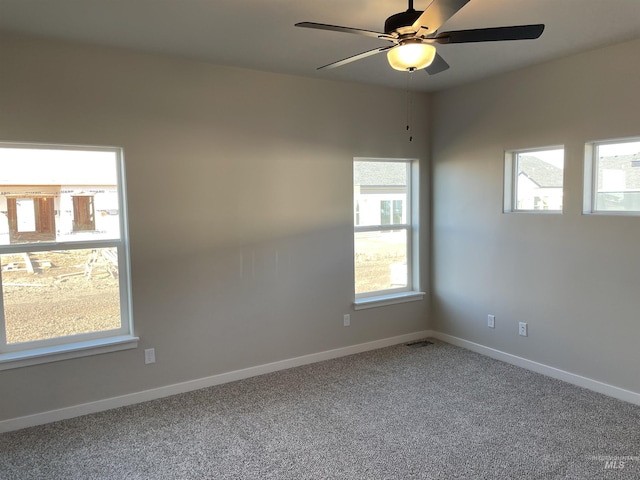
(347, 320)
(523, 329)
(150, 356)
(491, 321)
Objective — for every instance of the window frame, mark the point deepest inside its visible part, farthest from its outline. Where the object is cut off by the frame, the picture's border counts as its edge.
(411, 291)
(590, 181)
(13, 216)
(91, 343)
(510, 183)
(84, 203)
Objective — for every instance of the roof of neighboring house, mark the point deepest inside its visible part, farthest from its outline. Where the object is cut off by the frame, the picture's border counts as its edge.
(380, 173)
(540, 172)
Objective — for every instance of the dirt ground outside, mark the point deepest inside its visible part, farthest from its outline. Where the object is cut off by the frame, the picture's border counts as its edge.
(59, 293)
(380, 261)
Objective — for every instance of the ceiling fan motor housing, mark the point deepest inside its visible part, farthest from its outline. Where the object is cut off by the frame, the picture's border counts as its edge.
(401, 20)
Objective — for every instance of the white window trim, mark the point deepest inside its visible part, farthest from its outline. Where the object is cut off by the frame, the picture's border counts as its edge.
(509, 200)
(590, 182)
(66, 351)
(411, 292)
(389, 299)
(94, 343)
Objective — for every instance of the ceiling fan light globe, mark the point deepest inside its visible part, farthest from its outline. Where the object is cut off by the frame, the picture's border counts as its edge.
(411, 56)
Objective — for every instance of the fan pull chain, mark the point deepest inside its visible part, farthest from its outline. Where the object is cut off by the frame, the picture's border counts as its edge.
(409, 98)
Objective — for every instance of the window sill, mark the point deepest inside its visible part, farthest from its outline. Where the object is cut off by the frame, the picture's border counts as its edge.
(63, 352)
(613, 213)
(384, 300)
(536, 212)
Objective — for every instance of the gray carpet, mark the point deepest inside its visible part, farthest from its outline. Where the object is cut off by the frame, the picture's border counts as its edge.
(433, 412)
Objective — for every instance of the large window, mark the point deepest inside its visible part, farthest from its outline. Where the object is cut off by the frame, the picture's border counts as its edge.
(385, 229)
(612, 177)
(64, 276)
(534, 180)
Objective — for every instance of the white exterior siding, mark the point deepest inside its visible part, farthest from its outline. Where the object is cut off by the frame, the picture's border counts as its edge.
(105, 204)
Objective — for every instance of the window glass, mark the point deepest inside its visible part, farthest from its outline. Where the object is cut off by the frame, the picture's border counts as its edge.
(381, 260)
(63, 256)
(534, 180)
(383, 230)
(385, 212)
(617, 177)
(397, 212)
(376, 185)
(25, 215)
(53, 294)
(83, 213)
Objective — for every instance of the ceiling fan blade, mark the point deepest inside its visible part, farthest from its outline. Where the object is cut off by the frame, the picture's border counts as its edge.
(434, 16)
(359, 56)
(338, 28)
(497, 34)
(438, 65)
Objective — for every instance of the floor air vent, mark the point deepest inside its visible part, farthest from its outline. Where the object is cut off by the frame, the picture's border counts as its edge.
(419, 343)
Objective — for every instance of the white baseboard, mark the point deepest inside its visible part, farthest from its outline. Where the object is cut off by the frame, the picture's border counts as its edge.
(146, 395)
(155, 393)
(595, 385)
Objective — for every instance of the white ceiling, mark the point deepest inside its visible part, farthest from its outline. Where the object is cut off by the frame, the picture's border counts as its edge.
(259, 34)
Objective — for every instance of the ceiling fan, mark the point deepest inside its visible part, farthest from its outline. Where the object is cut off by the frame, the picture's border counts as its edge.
(413, 33)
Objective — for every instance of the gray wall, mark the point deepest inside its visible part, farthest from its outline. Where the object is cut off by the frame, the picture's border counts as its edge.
(225, 167)
(573, 278)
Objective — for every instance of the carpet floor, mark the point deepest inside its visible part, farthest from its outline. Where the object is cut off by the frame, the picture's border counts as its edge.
(430, 412)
